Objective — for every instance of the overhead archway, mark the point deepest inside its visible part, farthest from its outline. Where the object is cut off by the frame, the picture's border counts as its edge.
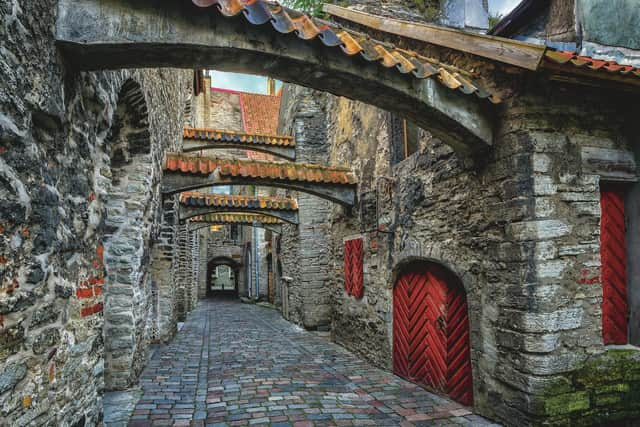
(286, 216)
(95, 34)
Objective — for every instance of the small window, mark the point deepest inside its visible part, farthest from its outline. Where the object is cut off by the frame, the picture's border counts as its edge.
(404, 138)
(353, 268)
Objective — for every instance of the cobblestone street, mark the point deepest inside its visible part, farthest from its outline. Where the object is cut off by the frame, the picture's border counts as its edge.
(234, 365)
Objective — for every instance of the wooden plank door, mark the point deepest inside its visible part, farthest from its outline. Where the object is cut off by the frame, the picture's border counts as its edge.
(613, 256)
(431, 333)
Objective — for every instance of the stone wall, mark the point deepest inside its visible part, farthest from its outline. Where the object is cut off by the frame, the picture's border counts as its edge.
(306, 252)
(519, 227)
(55, 189)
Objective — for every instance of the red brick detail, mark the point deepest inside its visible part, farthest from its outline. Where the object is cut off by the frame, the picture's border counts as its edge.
(84, 293)
(88, 311)
(353, 267)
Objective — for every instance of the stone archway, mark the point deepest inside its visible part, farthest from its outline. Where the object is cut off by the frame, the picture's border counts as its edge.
(130, 212)
(224, 289)
(256, 38)
(431, 334)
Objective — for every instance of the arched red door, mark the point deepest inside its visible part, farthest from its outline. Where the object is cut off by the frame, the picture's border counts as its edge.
(431, 332)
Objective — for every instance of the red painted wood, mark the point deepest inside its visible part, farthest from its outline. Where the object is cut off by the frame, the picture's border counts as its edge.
(353, 268)
(431, 333)
(613, 256)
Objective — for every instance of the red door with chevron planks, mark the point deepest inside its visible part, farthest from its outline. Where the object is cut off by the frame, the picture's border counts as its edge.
(613, 257)
(431, 332)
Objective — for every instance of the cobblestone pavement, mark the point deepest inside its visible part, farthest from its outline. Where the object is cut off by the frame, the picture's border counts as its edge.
(243, 365)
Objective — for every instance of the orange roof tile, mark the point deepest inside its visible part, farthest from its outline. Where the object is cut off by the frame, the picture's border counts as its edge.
(217, 135)
(603, 68)
(260, 113)
(231, 218)
(202, 165)
(194, 198)
(286, 21)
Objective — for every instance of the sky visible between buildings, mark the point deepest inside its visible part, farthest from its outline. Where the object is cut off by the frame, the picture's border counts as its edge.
(258, 84)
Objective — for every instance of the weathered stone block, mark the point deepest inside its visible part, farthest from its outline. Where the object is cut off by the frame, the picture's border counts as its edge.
(44, 314)
(11, 340)
(538, 230)
(46, 339)
(560, 320)
(566, 403)
(11, 375)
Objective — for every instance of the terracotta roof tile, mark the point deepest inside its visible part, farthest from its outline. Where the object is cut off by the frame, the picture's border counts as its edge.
(203, 165)
(231, 218)
(259, 12)
(217, 135)
(588, 63)
(260, 113)
(197, 199)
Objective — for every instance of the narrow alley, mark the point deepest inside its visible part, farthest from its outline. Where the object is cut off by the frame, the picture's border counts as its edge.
(313, 213)
(235, 364)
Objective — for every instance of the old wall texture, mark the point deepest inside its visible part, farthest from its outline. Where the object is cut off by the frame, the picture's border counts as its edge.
(519, 227)
(306, 252)
(60, 232)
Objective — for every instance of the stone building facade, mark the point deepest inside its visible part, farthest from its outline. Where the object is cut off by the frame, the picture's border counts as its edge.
(518, 227)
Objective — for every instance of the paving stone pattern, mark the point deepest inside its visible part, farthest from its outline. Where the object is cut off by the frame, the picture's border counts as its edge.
(238, 365)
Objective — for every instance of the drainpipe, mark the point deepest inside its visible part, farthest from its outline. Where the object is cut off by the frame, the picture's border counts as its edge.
(256, 258)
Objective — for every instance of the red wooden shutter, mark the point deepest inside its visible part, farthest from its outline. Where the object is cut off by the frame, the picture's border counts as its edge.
(613, 256)
(431, 333)
(353, 268)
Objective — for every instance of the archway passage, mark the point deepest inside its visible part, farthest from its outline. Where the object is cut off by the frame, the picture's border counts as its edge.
(431, 332)
(222, 277)
(261, 37)
(195, 139)
(182, 173)
(194, 204)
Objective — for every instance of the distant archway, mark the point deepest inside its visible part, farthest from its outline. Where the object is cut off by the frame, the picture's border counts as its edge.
(223, 281)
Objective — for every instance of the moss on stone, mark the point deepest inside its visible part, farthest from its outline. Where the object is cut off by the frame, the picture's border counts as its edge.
(605, 389)
(566, 403)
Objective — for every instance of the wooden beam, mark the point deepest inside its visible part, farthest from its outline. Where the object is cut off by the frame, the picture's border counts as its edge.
(512, 52)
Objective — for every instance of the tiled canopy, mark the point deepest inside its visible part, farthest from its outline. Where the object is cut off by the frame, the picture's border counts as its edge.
(286, 21)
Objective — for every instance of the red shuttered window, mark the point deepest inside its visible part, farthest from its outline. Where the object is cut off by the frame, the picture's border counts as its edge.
(353, 268)
(613, 256)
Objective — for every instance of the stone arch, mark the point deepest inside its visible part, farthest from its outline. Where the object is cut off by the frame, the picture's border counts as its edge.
(282, 216)
(231, 263)
(434, 252)
(97, 35)
(129, 219)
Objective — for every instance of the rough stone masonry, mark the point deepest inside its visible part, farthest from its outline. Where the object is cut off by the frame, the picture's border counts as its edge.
(80, 161)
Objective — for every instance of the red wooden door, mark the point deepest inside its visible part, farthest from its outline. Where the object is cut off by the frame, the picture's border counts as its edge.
(613, 254)
(431, 333)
